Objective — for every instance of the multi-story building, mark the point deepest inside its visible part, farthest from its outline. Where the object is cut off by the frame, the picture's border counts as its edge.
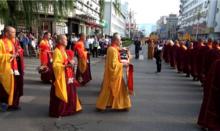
(162, 27)
(85, 17)
(199, 18)
(172, 21)
(116, 21)
(167, 27)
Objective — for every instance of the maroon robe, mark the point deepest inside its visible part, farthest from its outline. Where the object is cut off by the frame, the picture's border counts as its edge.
(188, 61)
(178, 58)
(46, 75)
(172, 53)
(165, 53)
(57, 106)
(86, 76)
(200, 61)
(209, 116)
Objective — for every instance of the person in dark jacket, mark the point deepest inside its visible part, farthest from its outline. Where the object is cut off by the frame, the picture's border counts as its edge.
(158, 56)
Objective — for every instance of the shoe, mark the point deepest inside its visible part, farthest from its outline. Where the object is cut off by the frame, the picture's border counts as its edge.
(13, 108)
(4, 107)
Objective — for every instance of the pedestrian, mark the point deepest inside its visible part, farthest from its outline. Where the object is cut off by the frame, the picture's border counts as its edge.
(137, 45)
(25, 40)
(95, 47)
(114, 93)
(64, 100)
(45, 58)
(158, 56)
(83, 73)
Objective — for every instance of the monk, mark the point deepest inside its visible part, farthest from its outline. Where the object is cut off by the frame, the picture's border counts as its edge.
(151, 49)
(45, 58)
(63, 96)
(114, 93)
(171, 54)
(210, 109)
(83, 73)
(202, 52)
(182, 53)
(7, 59)
(165, 52)
(19, 79)
(212, 56)
(189, 60)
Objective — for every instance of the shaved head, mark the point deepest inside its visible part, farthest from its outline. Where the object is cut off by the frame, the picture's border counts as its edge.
(62, 39)
(10, 32)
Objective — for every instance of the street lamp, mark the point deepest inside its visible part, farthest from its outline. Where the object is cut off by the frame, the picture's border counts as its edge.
(197, 27)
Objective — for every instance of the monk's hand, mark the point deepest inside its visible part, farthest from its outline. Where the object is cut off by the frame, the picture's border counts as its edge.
(13, 57)
(72, 62)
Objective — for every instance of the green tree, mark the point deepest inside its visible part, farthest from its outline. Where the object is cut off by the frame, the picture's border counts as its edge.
(12, 11)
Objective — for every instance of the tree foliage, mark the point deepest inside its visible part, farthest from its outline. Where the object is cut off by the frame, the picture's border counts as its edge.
(12, 11)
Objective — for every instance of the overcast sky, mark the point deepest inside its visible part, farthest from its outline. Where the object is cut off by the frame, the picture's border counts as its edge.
(149, 11)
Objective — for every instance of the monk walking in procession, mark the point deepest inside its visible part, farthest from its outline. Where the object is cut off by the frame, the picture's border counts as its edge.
(83, 73)
(11, 71)
(114, 93)
(45, 58)
(64, 100)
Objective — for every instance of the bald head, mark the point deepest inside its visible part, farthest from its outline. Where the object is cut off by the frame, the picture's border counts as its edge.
(10, 32)
(62, 39)
(116, 39)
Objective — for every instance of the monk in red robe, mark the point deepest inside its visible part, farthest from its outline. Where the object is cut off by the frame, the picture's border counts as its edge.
(202, 52)
(172, 54)
(45, 58)
(64, 100)
(182, 57)
(209, 116)
(177, 55)
(83, 73)
(189, 60)
(165, 52)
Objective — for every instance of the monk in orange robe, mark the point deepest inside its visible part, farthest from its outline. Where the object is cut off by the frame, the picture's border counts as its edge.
(83, 73)
(63, 96)
(114, 92)
(7, 56)
(45, 58)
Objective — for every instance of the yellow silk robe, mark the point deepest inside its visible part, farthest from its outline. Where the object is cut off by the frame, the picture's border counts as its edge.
(6, 75)
(60, 78)
(114, 92)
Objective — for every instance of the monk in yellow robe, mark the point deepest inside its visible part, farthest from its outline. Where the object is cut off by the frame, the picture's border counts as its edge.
(83, 73)
(151, 49)
(7, 55)
(114, 92)
(63, 96)
(45, 58)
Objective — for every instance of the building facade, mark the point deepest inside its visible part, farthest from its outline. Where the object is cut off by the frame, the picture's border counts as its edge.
(200, 18)
(116, 22)
(167, 27)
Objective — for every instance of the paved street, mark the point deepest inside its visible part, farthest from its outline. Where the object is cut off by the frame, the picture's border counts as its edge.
(163, 102)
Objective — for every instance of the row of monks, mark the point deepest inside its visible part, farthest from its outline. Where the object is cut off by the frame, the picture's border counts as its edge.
(58, 68)
(201, 60)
